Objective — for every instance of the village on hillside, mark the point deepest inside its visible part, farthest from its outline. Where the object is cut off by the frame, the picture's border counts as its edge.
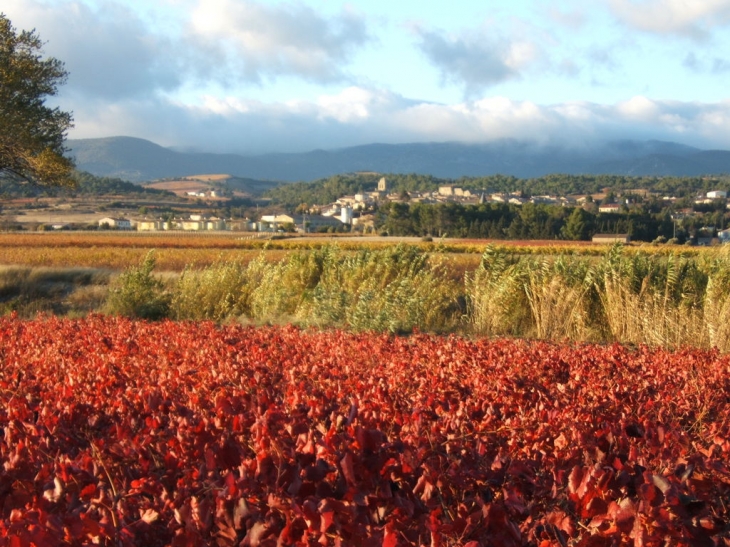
(202, 204)
(356, 213)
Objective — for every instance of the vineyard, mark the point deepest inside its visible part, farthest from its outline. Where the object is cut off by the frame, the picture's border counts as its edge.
(122, 432)
(117, 250)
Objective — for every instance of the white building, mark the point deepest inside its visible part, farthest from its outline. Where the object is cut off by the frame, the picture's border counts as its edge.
(149, 225)
(116, 223)
(717, 194)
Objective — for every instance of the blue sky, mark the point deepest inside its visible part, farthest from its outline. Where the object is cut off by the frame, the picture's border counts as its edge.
(256, 76)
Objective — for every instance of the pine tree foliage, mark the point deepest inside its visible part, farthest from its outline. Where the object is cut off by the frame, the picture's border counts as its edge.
(32, 133)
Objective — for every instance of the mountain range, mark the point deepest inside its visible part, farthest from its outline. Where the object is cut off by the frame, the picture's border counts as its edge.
(139, 160)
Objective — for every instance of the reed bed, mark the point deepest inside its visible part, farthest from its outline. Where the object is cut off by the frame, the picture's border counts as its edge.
(627, 294)
(631, 298)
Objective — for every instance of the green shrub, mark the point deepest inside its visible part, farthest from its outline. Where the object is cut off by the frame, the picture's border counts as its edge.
(395, 290)
(137, 293)
(216, 293)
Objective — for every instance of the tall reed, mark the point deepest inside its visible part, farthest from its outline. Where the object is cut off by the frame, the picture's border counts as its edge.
(717, 301)
(655, 300)
(558, 294)
(633, 298)
(216, 292)
(394, 289)
(496, 299)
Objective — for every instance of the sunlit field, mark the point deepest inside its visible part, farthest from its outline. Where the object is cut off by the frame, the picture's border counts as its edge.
(175, 251)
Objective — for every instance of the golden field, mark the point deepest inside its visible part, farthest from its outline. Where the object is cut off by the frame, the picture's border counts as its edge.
(174, 251)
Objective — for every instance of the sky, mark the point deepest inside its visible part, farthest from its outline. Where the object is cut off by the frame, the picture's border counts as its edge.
(256, 76)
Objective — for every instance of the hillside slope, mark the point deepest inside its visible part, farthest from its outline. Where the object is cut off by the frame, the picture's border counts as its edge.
(139, 160)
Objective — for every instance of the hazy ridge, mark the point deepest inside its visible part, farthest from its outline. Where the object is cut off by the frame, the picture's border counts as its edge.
(139, 160)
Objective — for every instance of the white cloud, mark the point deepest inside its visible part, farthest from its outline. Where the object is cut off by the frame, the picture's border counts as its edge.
(639, 108)
(358, 116)
(693, 18)
(125, 66)
(108, 51)
(261, 41)
(358, 105)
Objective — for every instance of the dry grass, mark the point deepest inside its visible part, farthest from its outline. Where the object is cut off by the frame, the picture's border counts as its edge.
(210, 177)
(117, 250)
(28, 291)
(559, 309)
(651, 318)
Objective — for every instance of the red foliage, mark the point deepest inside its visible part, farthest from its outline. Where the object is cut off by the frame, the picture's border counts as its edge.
(118, 432)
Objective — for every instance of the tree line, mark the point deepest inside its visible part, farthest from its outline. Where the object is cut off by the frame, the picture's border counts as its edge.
(82, 183)
(327, 190)
(534, 221)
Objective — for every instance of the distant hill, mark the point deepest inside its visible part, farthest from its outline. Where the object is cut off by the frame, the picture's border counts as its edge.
(139, 160)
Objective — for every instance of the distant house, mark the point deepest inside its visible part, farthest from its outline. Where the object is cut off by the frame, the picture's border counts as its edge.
(192, 225)
(146, 225)
(704, 241)
(717, 194)
(202, 222)
(611, 238)
(154, 225)
(703, 237)
(609, 208)
(215, 224)
(283, 218)
(241, 225)
(724, 236)
(548, 200)
(273, 222)
(117, 223)
(365, 221)
(311, 222)
(317, 222)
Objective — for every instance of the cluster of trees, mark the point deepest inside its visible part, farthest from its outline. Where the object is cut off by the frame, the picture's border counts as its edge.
(83, 183)
(89, 184)
(533, 221)
(563, 184)
(329, 189)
